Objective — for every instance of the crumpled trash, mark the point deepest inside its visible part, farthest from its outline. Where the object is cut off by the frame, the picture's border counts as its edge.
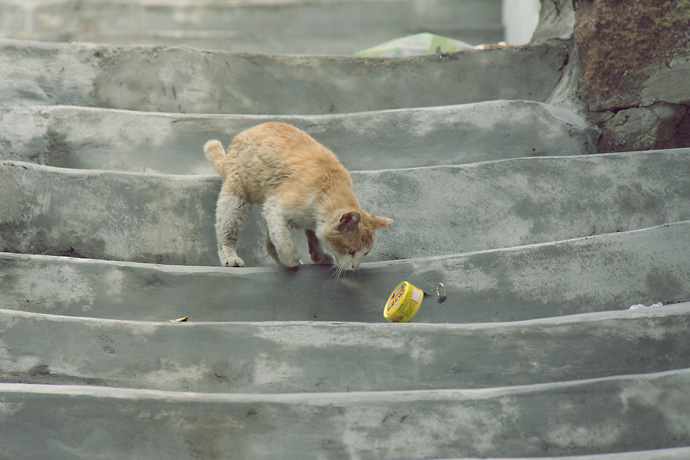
(415, 45)
(639, 306)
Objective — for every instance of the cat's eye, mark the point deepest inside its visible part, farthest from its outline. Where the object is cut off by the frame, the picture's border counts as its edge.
(352, 252)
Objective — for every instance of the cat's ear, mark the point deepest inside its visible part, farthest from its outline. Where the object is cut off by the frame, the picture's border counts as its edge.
(380, 222)
(348, 221)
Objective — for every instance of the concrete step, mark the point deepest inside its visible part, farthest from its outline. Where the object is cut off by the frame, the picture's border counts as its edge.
(574, 418)
(541, 257)
(145, 142)
(591, 274)
(292, 357)
(677, 453)
(185, 80)
(438, 210)
(277, 27)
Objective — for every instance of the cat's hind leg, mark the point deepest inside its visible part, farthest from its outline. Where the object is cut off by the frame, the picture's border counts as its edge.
(231, 216)
(279, 235)
(318, 255)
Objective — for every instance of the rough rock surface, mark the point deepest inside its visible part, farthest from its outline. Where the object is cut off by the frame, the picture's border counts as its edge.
(635, 67)
(556, 21)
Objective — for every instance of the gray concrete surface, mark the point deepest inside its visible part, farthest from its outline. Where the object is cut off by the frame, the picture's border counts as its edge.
(599, 273)
(284, 27)
(299, 364)
(170, 219)
(678, 453)
(588, 416)
(184, 80)
(119, 216)
(279, 357)
(94, 138)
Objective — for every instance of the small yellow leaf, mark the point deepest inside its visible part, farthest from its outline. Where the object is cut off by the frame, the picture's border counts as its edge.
(180, 320)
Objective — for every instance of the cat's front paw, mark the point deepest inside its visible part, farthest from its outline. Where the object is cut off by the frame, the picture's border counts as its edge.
(321, 258)
(289, 258)
(232, 261)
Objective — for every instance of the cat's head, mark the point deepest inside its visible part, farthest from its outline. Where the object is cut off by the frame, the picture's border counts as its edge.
(349, 236)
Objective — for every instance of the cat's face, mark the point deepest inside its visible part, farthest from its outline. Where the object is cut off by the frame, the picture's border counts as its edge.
(350, 237)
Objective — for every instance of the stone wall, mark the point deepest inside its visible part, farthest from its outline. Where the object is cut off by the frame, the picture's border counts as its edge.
(633, 61)
(635, 71)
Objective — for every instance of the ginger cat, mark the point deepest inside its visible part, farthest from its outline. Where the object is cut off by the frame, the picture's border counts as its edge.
(301, 184)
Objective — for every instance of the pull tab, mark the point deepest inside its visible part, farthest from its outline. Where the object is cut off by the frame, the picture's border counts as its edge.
(441, 294)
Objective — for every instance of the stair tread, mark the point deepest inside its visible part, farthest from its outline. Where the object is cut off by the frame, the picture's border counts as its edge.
(560, 418)
(604, 272)
(151, 78)
(284, 27)
(151, 142)
(287, 357)
(438, 210)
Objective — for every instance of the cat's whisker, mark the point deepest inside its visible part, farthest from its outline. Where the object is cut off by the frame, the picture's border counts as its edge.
(334, 269)
(337, 273)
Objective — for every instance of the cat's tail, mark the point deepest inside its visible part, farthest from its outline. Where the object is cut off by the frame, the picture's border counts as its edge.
(215, 154)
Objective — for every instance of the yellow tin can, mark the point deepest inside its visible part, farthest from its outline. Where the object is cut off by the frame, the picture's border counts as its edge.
(403, 303)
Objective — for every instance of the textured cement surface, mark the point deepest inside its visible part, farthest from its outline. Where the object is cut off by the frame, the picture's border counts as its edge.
(277, 27)
(540, 356)
(94, 138)
(578, 417)
(279, 357)
(678, 453)
(170, 219)
(185, 80)
(599, 273)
